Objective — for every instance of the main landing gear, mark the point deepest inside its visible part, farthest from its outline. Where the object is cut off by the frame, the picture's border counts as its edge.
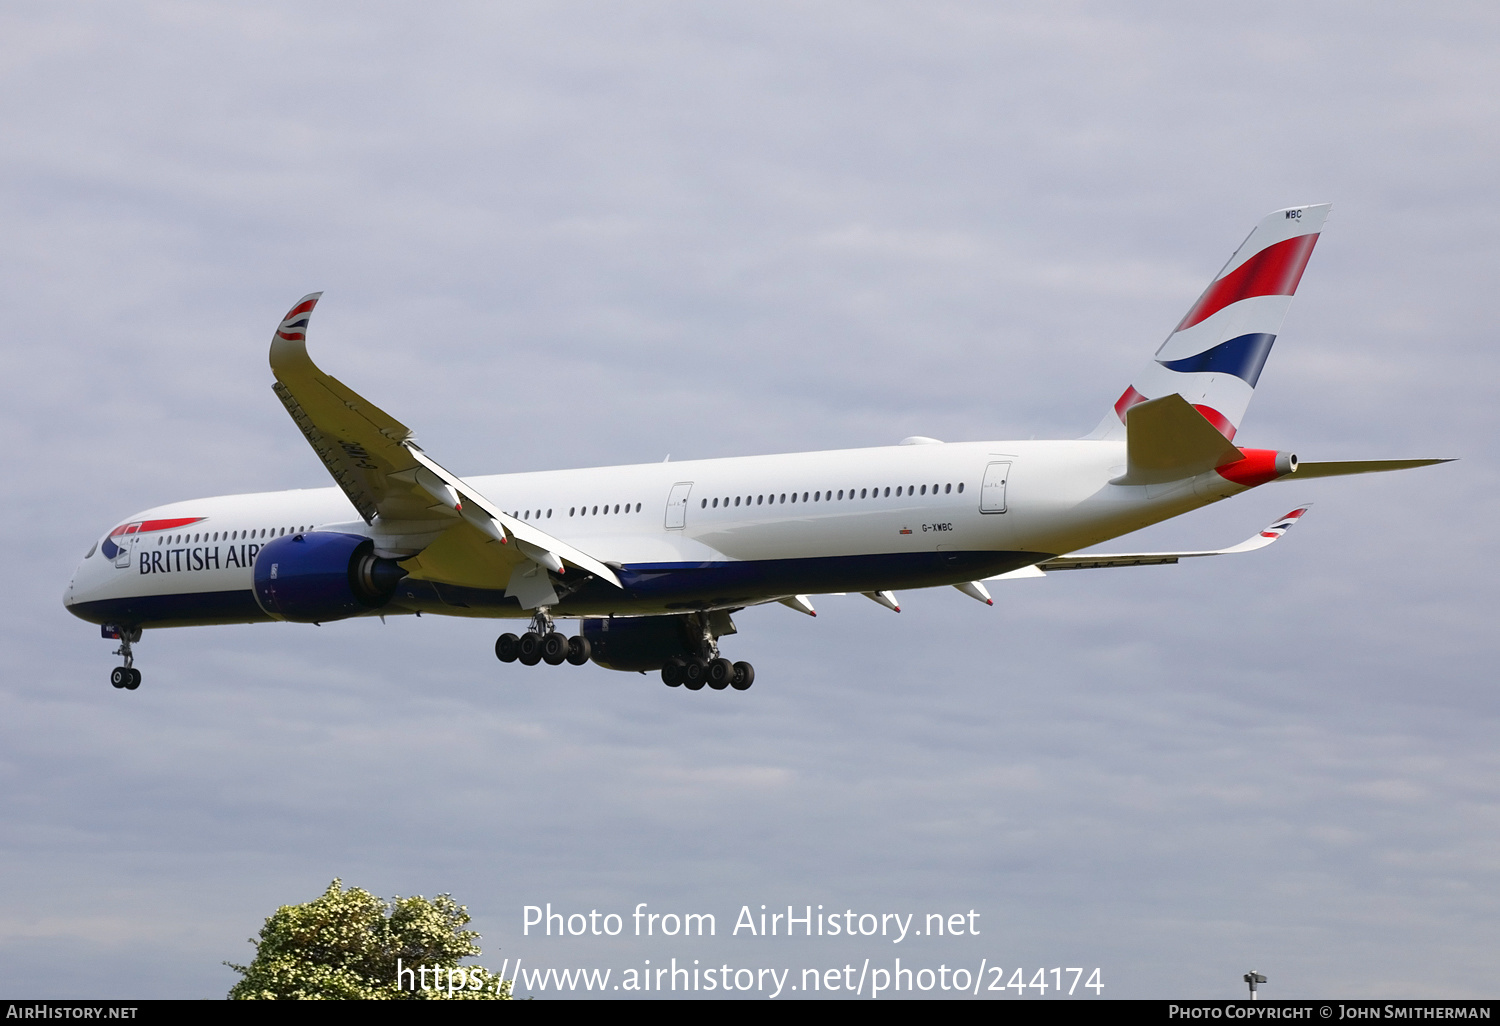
(542, 644)
(707, 667)
(718, 673)
(127, 676)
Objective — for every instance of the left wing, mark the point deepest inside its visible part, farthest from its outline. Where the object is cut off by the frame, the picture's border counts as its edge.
(1105, 559)
(389, 478)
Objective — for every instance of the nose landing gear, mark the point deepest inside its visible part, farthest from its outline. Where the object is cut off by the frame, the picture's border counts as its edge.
(126, 676)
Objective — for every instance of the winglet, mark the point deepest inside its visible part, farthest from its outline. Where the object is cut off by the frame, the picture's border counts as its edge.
(1267, 536)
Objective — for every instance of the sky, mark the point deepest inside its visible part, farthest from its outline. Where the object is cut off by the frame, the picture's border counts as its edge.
(578, 234)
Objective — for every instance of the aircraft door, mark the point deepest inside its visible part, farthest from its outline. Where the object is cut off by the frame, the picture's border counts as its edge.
(126, 545)
(992, 491)
(677, 505)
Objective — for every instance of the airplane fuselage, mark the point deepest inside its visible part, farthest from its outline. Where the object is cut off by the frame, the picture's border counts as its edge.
(689, 536)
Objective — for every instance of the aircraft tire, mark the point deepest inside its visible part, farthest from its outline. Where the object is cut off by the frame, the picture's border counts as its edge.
(529, 650)
(555, 648)
(134, 681)
(579, 650)
(507, 648)
(672, 672)
(119, 677)
(720, 673)
(694, 674)
(744, 676)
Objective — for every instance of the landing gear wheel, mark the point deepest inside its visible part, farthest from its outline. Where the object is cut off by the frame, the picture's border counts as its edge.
(120, 677)
(673, 671)
(579, 650)
(529, 649)
(720, 673)
(135, 679)
(554, 648)
(507, 648)
(695, 674)
(744, 676)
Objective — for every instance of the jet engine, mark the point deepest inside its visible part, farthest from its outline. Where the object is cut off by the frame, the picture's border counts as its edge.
(323, 575)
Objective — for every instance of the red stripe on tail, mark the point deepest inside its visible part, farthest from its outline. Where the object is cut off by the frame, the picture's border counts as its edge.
(1274, 271)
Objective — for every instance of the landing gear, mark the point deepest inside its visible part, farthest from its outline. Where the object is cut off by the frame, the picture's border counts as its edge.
(127, 676)
(542, 643)
(554, 648)
(579, 650)
(529, 652)
(744, 676)
(708, 667)
(720, 673)
(507, 648)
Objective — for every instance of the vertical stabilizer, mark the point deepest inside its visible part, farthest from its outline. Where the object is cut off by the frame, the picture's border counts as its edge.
(1213, 358)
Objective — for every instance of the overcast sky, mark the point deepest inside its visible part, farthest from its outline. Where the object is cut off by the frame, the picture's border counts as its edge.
(574, 234)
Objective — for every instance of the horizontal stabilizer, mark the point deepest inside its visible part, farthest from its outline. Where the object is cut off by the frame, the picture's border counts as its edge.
(1306, 470)
(1167, 440)
(1097, 561)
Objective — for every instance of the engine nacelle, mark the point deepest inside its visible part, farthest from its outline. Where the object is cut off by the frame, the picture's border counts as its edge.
(638, 642)
(321, 576)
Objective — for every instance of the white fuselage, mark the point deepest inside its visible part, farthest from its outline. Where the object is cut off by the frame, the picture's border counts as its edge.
(751, 529)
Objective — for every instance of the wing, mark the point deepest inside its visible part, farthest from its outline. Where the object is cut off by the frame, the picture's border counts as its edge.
(1100, 560)
(394, 484)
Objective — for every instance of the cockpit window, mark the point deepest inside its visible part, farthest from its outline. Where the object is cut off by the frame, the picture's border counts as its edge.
(92, 549)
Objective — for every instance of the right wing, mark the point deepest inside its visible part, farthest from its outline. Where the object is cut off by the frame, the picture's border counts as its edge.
(1100, 560)
(389, 478)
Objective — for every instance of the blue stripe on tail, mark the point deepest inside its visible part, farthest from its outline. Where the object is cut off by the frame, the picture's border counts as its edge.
(1242, 357)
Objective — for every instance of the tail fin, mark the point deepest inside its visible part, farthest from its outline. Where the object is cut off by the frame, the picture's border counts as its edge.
(1213, 358)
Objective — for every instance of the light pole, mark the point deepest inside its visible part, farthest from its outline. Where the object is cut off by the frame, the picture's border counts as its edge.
(1253, 978)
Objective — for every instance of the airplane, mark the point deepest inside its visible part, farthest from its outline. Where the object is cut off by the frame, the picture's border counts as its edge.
(653, 559)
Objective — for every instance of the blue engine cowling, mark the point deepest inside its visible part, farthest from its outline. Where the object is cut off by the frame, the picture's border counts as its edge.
(638, 642)
(321, 576)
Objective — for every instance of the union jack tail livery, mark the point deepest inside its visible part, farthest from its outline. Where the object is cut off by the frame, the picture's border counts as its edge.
(1214, 356)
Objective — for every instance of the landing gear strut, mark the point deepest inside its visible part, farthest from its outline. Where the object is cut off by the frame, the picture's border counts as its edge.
(707, 667)
(126, 676)
(542, 643)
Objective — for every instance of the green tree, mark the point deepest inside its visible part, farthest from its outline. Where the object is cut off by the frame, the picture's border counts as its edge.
(349, 944)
